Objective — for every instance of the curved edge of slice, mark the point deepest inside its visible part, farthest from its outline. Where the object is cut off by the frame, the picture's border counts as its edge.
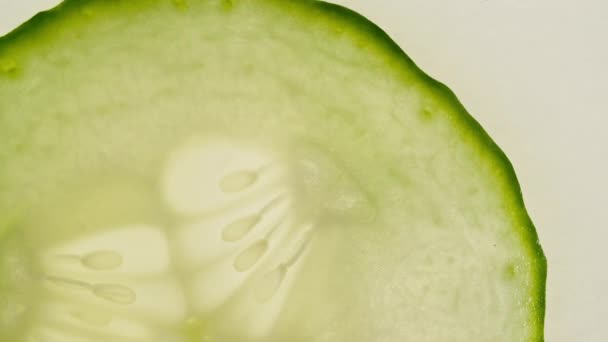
(363, 30)
(510, 184)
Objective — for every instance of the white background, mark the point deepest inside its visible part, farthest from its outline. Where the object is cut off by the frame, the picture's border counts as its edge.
(535, 74)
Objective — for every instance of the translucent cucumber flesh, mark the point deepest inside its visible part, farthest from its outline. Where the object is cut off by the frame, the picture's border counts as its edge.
(248, 171)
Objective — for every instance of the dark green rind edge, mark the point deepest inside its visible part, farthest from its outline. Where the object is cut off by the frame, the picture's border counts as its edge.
(383, 40)
(44, 19)
(529, 233)
(36, 23)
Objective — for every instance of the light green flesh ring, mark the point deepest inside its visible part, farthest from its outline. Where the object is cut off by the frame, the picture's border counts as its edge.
(243, 171)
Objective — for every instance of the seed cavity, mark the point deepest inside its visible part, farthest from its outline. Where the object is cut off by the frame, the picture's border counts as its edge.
(115, 293)
(250, 256)
(206, 176)
(238, 181)
(93, 318)
(274, 204)
(102, 260)
(302, 246)
(238, 229)
(67, 282)
(268, 285)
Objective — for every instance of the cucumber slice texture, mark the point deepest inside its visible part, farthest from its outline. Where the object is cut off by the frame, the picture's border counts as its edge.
(248, 171)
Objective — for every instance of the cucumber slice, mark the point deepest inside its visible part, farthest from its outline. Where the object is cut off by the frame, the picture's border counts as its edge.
(248, 170)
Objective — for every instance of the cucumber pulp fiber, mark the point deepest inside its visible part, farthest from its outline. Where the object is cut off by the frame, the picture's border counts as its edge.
(248, 170)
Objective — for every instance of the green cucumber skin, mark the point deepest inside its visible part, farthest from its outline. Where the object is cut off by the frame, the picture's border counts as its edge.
(368, 32)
